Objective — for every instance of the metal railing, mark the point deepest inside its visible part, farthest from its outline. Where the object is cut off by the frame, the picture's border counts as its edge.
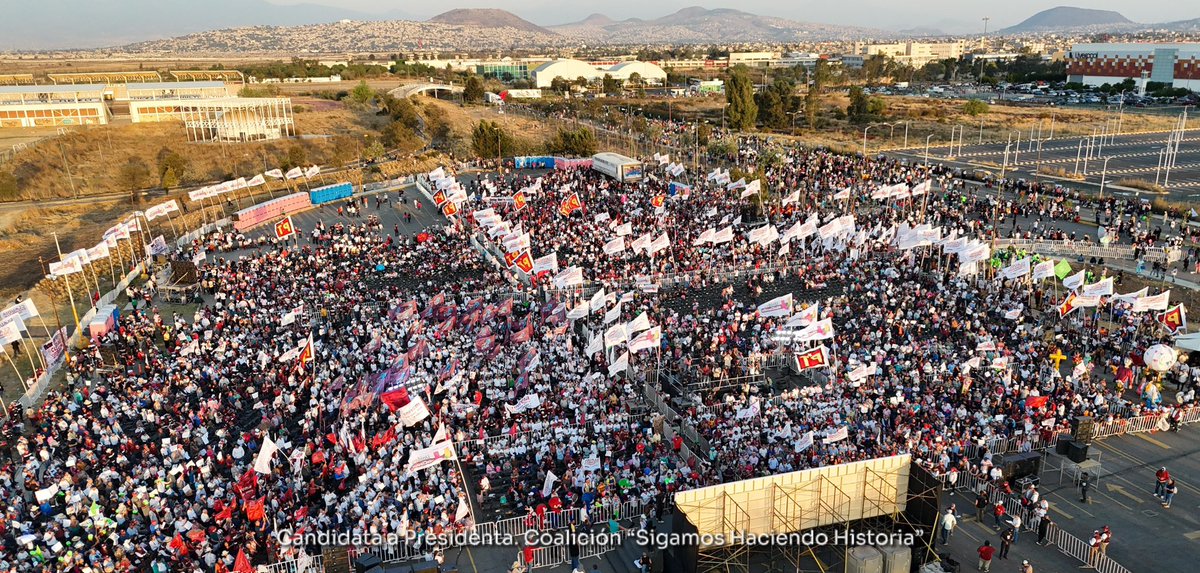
(1077, 249)
(303, 564)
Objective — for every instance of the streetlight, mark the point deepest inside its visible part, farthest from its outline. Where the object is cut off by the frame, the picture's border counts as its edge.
(1053, 116)
(1158, 168)
(1104, 176)
(927, 150)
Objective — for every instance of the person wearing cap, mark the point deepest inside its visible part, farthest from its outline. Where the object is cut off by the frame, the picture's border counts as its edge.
(1161, 477)
(986, 551)
(947, 526)
(1026, 567)
(1169, 491)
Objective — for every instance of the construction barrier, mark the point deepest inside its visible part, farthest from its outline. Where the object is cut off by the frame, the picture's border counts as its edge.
(271, 210)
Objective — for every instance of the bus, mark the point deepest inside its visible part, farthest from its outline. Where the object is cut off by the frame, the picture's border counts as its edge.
(617, 166)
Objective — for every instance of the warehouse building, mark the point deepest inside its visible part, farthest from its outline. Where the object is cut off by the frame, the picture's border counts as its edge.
(1177, 65)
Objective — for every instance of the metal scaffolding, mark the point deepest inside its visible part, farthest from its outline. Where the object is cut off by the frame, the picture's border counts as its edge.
(238, 119)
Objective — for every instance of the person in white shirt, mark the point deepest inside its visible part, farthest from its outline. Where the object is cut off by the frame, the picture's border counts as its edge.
(949, 522)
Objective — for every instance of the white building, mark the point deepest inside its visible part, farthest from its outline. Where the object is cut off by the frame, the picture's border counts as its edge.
(570, 70)
(45, 106)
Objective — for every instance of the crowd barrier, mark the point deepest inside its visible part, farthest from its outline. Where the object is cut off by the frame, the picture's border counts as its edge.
(551, 162)
(1088, 250)
(330, 193)
(270, 210)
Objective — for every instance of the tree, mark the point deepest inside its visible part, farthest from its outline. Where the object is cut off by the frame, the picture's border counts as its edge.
(975, 107)
(373, 151)
(739, 92)
(473, 91)
(362, 93)
(611, 85)
(169, 160)
(875, 107)
(579, 142)
(775, 102)
(396, 134)
(857, 110)
(296, 157)
(169, 180)
(132, 176)
(488, 139)
(560, 85)
(703, 133)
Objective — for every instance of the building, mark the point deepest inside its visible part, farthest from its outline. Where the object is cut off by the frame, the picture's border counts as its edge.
(1177, 65)
(752, 59)
(570, 70)
(48, 106)
(207, 108)
(915, 54)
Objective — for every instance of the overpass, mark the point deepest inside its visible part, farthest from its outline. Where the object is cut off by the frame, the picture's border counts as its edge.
(414, 89)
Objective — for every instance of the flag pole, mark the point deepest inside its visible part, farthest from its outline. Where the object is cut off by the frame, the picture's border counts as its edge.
(24, 383)
(67, 281)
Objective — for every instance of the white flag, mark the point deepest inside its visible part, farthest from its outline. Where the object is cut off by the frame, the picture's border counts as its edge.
(804, 317)
(294, 173)
(256, 181)
(615, 335)
(658, 244)
(723, 236)
(614, 246)
(597, 301)
(642, 322)
(1016, 270)
(624, 229)
(312, 171)
(276, 173)
(841, 434)
(594, 346)
(648, 340)
(1131, 297)
(778, 306)
(620, 365)
(612, 314)
(1099, 288)
(1043, 270)
(820, 330)
(1074, 281)
(262, 464)
(1159, 301)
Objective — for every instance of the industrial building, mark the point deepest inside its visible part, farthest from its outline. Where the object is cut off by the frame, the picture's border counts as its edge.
(209, 108)
(915, 54)
(569, 69)
(1096, 64)
(49, 106)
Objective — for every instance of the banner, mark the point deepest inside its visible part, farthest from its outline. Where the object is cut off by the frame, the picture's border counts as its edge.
(620, 365)
(161, 209)
(841, 434)
(24, 309)
(431, 456)
(1099, 288)
(779, 306)
(616, 334)
(815, 358)
(55, 348)
(413, 412)
(1159, 301)
(648, 340)
(262, 463)
(548, 485)
(1043, 270)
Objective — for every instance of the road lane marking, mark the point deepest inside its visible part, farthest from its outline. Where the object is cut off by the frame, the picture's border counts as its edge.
(1152, 441)
(1055, 509)
(1194, 536)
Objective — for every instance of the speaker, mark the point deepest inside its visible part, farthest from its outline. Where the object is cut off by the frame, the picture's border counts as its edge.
(1016, 466)
(1063, 445)
(422, 567)
(1078, 452)
(366, 562)
(1083, 429)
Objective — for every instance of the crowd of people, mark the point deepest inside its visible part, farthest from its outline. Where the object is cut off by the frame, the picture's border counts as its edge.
(354, 378)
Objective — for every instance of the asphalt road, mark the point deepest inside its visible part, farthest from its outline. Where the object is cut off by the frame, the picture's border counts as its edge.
(1129, 156)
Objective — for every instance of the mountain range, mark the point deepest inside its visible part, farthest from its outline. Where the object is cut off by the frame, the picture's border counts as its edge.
(224, 25)
(1064, 18)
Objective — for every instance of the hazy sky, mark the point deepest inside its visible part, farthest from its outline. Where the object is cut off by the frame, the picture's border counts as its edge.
(952, 15)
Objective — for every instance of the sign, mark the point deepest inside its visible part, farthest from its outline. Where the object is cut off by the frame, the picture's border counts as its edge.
(55, 348)
(431, 456)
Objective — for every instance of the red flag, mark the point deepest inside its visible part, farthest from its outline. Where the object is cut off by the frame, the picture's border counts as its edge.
(284, 228)
(384, 438)
(449, 209)
(395, 399)
(248, 484)
(241, 564)
(1174, 319)
(509, 259)
(519, 201)
(256, 509)
(658, 201)
(1035, 402)
(196, 535)
(570, 205)
(178, 544)
(524, 262)
(1067, 305)
(226, 513)
(307, 354)
(439, 198)
(301, 514)
(814, 358)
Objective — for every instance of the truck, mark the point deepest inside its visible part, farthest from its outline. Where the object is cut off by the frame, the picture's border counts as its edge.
(617, 166)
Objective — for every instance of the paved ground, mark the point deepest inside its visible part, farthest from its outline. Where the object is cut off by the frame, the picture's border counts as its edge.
(1143, 531)
(1129, 156)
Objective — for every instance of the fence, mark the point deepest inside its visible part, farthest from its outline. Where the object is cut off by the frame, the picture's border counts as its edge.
(305, 564)
(1074, 249)
(1065, 542)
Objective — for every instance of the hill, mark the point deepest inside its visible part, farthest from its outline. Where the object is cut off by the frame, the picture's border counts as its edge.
(45, 25)
(696, 25)
(1068, 18)
(487, 18)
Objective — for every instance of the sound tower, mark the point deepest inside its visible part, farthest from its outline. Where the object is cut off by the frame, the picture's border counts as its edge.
(1083, 429)
(1077, 452)
(923, 509)
(1016, 466)
(682, 558)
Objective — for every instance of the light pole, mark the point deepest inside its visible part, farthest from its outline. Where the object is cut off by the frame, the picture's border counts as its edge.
(1158, 168)
(865, 140)
(906, 123)
(1053, 116)
(1104, 177)
(927, 151)
(1017, 149)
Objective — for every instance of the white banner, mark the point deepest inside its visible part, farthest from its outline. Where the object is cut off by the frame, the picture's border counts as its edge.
(413, 412)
